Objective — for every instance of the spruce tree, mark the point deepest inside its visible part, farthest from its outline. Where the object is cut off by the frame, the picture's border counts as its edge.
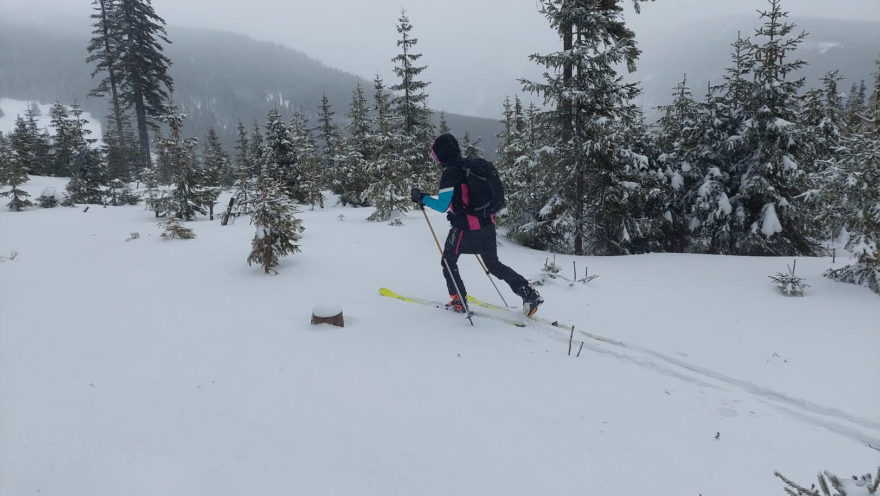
(244, 186)
(849, 198)
(410, 107)
(14, 173)
(277, 149)
(768, 217)
(389, 191)
(680, 154)
(307, 177)
(276, 228)
(105, 49)
(444, 127)
(145, 82)
(328, 133)
(120, 150)
(62, 142)
(470, 147)
(593, 173)
(188, 197)
(352, 167)
(215, 161)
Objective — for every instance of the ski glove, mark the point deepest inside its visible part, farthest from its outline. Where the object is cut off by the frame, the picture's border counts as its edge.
(417, 196)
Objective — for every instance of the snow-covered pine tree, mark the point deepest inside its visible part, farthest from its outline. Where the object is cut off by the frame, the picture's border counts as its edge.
(62, 142)
(244, 185)
(307, 179)
(328, 134)
(152, 195)
(470, 147)
(188, 197)
(680, 155)
(16, 156)
(120, 150)
(721, 146)
(38, 160)
(87, 178)
(410, 105)
(389, 189)
(277, 228)
(594, 173)
(855, 106)
(769, 217)
(849, 195)
(277, 149)
(256, 148)
(215, 162)
(352, 166)
(526, 179)
(444, 126)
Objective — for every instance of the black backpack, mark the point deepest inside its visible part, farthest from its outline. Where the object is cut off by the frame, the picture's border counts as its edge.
(485, 191)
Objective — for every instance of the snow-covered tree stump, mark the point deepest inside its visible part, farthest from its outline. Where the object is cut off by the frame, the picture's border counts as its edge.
(328, 314)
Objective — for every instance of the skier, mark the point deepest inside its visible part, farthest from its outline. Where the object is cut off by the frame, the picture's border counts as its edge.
(468, 233)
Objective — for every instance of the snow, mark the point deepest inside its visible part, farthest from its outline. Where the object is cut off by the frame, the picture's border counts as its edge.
(770, 224)
(326, 309)
(145, 367)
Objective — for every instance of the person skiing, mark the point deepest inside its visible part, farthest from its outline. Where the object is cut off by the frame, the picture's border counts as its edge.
(468, 233)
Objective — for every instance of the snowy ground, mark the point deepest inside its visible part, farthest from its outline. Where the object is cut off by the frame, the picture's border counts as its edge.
(148, 367)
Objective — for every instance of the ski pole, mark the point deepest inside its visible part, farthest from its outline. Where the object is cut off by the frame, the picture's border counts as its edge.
(486, 270)
(446, 263)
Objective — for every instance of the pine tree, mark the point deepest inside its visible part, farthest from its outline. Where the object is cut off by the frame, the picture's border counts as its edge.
(389, 191)
(244, 187)
(277, 228)
(307, 178)
(145, 82)
(256, 149)
(38, 159)
(470, 147)
(410, 107)
(769, 219)
(188, 197)
(593, 173)
(328, 133)
(277, 150)
(62, 144)
(444, 127)
(352, 167)
(680, 156)
(849, 198)
(105, 49)
(14, 173)
(120, 150)
(217, 169)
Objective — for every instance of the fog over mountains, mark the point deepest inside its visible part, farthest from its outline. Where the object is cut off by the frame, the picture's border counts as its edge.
(221, 77)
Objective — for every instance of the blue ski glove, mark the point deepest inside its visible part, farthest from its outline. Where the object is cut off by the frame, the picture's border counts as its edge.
(417, 196)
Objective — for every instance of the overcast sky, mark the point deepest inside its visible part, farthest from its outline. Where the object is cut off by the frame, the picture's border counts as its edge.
(474, 49)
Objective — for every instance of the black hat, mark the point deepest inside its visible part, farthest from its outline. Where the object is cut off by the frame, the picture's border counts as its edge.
(446, 148)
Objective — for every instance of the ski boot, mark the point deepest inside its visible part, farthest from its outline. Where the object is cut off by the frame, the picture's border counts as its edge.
(531, 299)
(455, 304)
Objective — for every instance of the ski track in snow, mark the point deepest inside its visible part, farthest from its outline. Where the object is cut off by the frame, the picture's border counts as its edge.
(862, 430)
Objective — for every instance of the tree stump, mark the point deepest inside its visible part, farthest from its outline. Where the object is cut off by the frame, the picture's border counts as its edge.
(328, 314)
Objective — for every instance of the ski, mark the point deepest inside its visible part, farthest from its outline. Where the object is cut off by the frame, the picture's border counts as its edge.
(391, 294)
(541, 320)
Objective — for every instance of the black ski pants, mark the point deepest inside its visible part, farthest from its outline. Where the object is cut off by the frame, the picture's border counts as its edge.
(481, 242)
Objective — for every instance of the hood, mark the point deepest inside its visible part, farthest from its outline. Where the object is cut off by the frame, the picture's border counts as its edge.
(446, 148)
